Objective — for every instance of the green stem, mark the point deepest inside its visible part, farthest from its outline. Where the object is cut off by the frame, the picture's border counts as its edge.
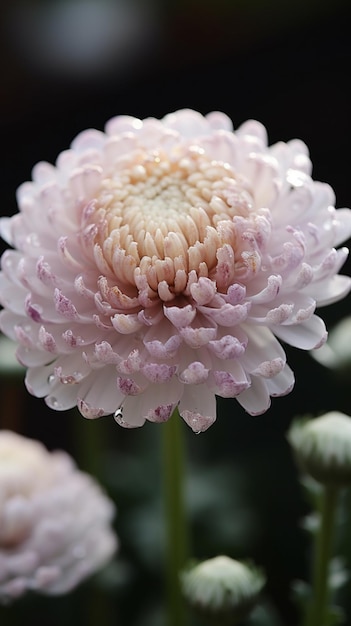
(89, 445)
(89, 439)
(318, 610)
(176, 522)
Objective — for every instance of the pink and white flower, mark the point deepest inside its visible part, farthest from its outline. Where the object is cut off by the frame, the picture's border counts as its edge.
(161, 262)
(55, 521)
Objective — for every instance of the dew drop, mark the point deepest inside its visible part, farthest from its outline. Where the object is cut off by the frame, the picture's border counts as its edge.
(195, 425)
(118, 416)
(33, 240)
(51, 379)
(71, 379)
(53, 403)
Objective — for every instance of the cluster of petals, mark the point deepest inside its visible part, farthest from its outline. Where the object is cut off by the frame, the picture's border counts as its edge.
(55, 521)
(161, 263)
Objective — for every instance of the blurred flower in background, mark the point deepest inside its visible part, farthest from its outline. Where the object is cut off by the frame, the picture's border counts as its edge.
(82, 38)
(55, 521)
(160, 263)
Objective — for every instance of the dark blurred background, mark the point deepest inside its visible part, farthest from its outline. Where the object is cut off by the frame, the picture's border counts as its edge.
(67, 65)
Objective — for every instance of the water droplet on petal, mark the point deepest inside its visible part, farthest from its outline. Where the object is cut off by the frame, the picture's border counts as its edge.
(53, 403)
(33, 240)
(71, 379)
(118, 416)
(51, 379)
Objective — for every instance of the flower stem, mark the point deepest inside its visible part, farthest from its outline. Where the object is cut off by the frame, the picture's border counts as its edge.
(90, 447)
(318, 609)
(175, 514)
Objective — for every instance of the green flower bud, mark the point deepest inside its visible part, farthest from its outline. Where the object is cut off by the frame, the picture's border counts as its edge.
(221, 590)
(323, 447)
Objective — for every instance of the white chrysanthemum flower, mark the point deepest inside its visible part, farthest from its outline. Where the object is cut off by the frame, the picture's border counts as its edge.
(161, 263)
(55, 521)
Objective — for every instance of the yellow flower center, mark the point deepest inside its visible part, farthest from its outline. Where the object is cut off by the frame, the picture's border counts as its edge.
(161, 218)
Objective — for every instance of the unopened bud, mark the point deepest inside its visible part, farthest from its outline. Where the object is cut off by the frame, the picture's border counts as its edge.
(222, 590)
(323, 447)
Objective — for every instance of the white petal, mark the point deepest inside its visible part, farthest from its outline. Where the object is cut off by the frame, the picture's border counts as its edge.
(342, 225)
(32, 357)
(262, 346)
(307, 336)
(39, 380)
(281, 384)
(254, 129)
(256, 399)
(44, 172)
(88, 139)
(136, 409)
(62, 397)
(187, 122)
(219, 121)
(331, 290)
(99, 392)
(198, 407)
(6, 229)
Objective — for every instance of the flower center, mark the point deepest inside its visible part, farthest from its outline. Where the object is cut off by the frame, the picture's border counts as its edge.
(160, 217)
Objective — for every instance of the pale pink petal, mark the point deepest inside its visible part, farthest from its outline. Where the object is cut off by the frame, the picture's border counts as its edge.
(306, 336)
(99, 393)
(187, 122)
(198, 407)
(256, 399)
(282, 383)
(332, 290)
(156, 405)
(219, 121)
